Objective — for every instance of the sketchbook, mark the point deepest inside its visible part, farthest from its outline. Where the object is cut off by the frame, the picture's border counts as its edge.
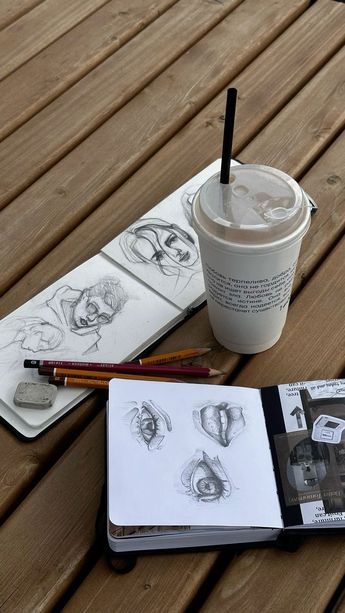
(202, 465)
(109, 309)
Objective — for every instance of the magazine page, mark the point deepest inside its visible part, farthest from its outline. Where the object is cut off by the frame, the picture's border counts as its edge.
(188, 454)
(308, 447)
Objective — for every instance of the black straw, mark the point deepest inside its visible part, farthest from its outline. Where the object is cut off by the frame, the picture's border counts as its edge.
(228, 135)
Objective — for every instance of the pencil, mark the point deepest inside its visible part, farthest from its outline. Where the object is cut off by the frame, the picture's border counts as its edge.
(98, 383)
(129, 368)
(95, 374)
(182, 354)
(158, 359)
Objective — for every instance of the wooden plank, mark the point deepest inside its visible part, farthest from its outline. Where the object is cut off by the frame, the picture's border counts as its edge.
(26, 462)
(154, 588)
(121, 216)
(68, 59)
(81, 109)
(181, 90)
(325, 182)
(153, 115)
(20, 40)
(321, 116)
(64, 507)
(245, 585)
(10, 10)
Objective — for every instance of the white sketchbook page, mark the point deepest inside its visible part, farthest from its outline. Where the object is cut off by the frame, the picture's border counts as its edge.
(161, 248)
(165, 469)
(313, 511)
(49, 326)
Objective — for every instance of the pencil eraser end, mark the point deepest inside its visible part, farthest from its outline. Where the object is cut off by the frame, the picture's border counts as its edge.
(31, 363)
(32, 395)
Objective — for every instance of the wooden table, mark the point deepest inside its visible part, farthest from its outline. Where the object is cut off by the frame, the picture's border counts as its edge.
(106, 107)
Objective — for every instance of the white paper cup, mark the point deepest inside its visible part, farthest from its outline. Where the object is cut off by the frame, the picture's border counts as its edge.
(250, 234)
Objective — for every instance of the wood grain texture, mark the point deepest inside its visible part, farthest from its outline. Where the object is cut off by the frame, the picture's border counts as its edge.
(68, 59)
(141, 193)
(10, 10)
(279, 581)
(317, 114)
(326, 183)
(75, 186)
(38, 28)
(25, 462)
(86, 105)
(63, 506)
(166, 583)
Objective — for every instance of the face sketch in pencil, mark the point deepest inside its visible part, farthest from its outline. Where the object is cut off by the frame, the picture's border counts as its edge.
(221, 422)
(70, 319)
(204, 479)
(149, 424)
(31, 334)
(163, 246)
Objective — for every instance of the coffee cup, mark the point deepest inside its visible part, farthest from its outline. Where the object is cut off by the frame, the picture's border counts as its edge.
(250, 233)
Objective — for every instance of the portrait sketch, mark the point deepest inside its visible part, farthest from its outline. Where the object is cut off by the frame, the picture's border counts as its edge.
(71, 318)
(162, 249)
(97, 312)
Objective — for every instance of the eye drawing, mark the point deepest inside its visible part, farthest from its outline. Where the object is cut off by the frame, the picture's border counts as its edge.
(221, 422)
(204, 479)
(149, 425)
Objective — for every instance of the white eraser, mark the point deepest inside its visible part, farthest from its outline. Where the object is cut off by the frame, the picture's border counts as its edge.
(35, 395)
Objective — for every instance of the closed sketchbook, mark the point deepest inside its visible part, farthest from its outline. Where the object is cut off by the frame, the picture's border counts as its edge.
(199, 465)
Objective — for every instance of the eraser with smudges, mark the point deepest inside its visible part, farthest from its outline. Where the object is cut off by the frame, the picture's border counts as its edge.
(32, 395)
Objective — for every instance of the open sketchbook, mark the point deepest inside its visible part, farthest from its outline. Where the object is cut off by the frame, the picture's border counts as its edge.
(110, 308)
(203, 465)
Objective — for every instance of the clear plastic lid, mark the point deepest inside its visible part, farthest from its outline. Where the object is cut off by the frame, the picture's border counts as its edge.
(259, 204)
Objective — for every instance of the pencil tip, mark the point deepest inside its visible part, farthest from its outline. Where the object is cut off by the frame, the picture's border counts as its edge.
(205, 350)
(213, 372)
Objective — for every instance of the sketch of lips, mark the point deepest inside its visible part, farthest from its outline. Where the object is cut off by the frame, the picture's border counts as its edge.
(222, 421)
(184, 256)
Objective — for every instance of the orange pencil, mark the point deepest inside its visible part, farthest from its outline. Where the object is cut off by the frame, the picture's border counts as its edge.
(99, 383)
(172, 356)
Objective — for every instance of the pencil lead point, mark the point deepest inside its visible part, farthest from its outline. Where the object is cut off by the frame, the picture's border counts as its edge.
(214, 372)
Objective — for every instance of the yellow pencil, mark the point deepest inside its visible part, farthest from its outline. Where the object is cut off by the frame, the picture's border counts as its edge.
(182, 354)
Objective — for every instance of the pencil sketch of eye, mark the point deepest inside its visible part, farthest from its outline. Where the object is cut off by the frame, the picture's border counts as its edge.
(149, 425)
(205, 479)
(221, 422)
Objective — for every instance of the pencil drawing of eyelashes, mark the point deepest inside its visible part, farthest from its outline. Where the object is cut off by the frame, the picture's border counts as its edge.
(149, 425)
(205, 479)
(221, 422)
